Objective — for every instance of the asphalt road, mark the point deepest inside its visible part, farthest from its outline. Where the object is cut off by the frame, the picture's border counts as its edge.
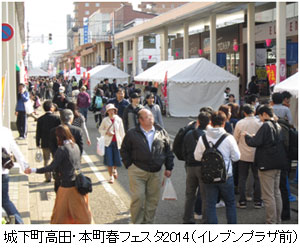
(110, 203)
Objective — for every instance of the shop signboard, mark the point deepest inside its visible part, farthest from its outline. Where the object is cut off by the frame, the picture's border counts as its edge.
(271, 72)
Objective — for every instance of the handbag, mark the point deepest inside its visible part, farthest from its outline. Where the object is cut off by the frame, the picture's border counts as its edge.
(38, 156)
(28, 107)
(101, 144)
(83, 183)
(7, 159)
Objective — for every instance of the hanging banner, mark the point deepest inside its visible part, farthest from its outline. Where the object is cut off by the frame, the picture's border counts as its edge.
(282, 70)
(271, 72)
(77, 65)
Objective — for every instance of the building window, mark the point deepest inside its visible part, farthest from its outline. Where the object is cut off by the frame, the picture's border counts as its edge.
(163, 6)
(86, 4)
(149, 42)
(86, 12)
(97, 4)
(172, 6)
(130, 45)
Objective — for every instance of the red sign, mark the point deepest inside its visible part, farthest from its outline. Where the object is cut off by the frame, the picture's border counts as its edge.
(282, 69)
(271, 72)
(77, 65)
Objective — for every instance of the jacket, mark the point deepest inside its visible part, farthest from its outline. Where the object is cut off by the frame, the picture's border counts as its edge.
(20, 101)
(117, 128)
(119, 105)
(77, 134)
(135, 150)
(61, 103)
(189, 144)
(66, 160)
(270, 152)
(130, 116)
(155, 110)
(251, 125)
(83, 100)
(44, 125)
(228, 148)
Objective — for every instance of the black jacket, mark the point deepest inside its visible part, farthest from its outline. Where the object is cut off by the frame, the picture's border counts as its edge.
(76, 132)
(66, 160)
(189, 144)
(135, 150)
(270, 152)
(130, 116)
(44, 125)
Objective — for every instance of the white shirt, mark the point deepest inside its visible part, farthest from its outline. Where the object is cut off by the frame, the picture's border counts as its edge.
(228, 148)
(7, 141)
(149, 135)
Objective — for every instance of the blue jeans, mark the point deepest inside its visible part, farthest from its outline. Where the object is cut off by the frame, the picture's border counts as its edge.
(227, 192)
(84, 112)
(7, 205)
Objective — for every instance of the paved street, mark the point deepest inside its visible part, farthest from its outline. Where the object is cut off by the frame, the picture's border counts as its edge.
(110, 203)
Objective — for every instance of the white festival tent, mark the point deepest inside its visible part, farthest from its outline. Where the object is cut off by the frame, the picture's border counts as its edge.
(192, 84)
(73, 73)
(100, 72)
(37, 72)
(291, 85)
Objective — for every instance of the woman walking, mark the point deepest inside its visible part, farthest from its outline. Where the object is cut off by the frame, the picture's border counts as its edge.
(113, 131)
(70, 206)
(79, 121)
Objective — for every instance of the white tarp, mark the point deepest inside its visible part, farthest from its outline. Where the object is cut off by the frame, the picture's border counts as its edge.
(192, 84)
(291, 85)
(37, 72)
(73, 73)
(100, 72)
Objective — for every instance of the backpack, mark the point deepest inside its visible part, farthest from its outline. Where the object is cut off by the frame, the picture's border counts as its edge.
(178, 140)
(98, 102)
(290, 139)
(213, 169)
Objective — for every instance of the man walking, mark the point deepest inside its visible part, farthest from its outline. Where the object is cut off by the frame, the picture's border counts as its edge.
(144, 150)
(44, 125)
(230, 152)
(23, 97)
(251, 125)
(119, 101)
(193, 170)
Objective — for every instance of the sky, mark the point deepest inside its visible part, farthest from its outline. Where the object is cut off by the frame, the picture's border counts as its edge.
(49, 16)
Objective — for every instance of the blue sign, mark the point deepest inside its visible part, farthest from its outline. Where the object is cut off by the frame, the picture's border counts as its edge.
(7, 32)
(221, 59)
(291, 53)
(85, 34)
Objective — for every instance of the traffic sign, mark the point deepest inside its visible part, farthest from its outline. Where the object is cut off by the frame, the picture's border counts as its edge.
(7, 32)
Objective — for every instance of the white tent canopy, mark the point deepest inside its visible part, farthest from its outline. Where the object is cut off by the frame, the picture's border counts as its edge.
(37, 72)
(291, 85)
(192, 84)
(73, 73)
(100, 72)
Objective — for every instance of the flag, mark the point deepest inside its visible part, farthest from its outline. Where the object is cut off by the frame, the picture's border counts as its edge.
(164, 88)
(271, 72)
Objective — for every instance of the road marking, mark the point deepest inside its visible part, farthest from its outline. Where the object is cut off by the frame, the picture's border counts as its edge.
(108, 187)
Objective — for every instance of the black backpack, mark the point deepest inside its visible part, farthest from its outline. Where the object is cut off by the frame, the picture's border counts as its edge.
(178, 140)
(213, 169)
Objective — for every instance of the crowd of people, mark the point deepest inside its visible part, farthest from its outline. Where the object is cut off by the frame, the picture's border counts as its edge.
(134, 136)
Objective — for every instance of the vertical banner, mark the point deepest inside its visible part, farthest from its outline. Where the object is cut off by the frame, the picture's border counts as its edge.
(165, 92)
(26, 76)
(282, 69)
(85, 30)
(271, 72)
(77, 65)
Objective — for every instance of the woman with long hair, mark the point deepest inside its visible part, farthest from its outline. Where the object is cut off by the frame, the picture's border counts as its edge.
(113, 131)
(79, 120)
(70, 206)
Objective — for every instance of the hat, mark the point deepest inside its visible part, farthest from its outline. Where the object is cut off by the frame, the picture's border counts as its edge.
(61, 89)
(110, 106)
(134, 95)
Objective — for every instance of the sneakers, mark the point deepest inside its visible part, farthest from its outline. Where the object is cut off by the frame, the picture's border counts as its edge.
(115, 173)
(242, 204)
(220, 204)
(257, 205)
(111, 180)
(197, 216)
